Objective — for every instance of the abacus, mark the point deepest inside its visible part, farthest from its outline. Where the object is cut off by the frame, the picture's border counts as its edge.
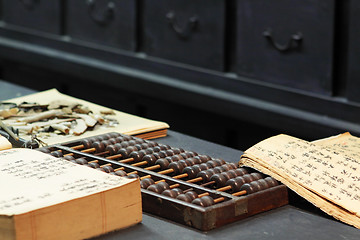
(183, 186)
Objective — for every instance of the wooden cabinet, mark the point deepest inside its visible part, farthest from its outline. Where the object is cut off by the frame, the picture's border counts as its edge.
(287, 42)
(190, 32)
(107, 23)
(38, 15)
(260, 66)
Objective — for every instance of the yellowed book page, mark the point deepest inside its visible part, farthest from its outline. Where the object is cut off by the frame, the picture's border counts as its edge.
(128, 124)
(31, 180)
(4, 143)
(320, 202)
(323, 171)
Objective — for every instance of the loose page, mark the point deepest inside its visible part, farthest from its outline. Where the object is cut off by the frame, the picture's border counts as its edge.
(30, 180)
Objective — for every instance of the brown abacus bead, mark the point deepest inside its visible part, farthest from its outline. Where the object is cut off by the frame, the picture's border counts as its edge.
(173, 193)
(69, 158)
(188, 196)
(203, 158)
(163, 162)
(159, 187)
(94, 165)
(120, 173)
(82, 161)
(107, 168)
(220, 179)
(113, 149)
(126, 151)
(271, 182)
(204, 201)
(57, 154)
(133, 175)
(137, 155)
(87, 143)
(238, 182)
(241, 171)
(151, 158)
(146, 182)
(251, 187)
(99, 146)
(205, 175)
(193, 171)
(44, 150)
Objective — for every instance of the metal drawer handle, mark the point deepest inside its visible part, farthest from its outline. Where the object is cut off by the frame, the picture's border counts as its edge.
(105, 16)
(29, 4)
(293, 43)
(186, 31)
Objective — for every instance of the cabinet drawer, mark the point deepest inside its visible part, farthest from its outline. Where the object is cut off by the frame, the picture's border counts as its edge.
(190, 32)
(353, 52)
(35, 14)
(286, 42)
(110, 22)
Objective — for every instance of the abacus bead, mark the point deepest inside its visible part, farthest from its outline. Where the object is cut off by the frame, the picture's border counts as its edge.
(150, 159)
(169, 152)
(205, 201)
(57, 154)
(159, 187)
(271, 182)
(250, 187)
(44, 150)
(152, 144)
(162, 154)
(220, 180)
(120, 173)
(108, 169)
(241, 171)
(177, 167)
(248, 178)
(99, 146)
(195, 160)
(120, 139)
(192, 194)
(184, 197)
(205, 175)
(170, 193)
(86, 143)
(69, 157)
(148, 151)
(146, 182)
(191, 171)
(230, 174)
(212, 163)
(235, 183)
(139, 140)
(137, 156)
(81, 161)
(114, 134)
(100, 169)
(94, 165)
(111, 149)
(133, 175)
(256, 176)
(178, 190)
(124, 144)
(131, 142)
(204, 158)
(163, 162)
(263, 184)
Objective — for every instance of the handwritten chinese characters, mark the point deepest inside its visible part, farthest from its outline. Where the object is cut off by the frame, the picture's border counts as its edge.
(30, 180)
(331, 172)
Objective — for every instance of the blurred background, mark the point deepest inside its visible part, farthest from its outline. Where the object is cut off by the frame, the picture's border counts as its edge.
(229, 71)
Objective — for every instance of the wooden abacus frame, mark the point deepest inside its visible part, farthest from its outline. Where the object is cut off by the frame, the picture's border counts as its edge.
(233, 208)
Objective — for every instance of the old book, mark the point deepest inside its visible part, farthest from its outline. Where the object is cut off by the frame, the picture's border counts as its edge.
(43, 197)
(125, 123)
(325, 172)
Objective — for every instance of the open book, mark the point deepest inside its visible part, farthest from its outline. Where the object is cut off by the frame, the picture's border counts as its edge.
(120, 122)
(325, 172)
(43, 197)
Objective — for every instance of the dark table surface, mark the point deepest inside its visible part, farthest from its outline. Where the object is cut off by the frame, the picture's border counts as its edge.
(298, 220)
